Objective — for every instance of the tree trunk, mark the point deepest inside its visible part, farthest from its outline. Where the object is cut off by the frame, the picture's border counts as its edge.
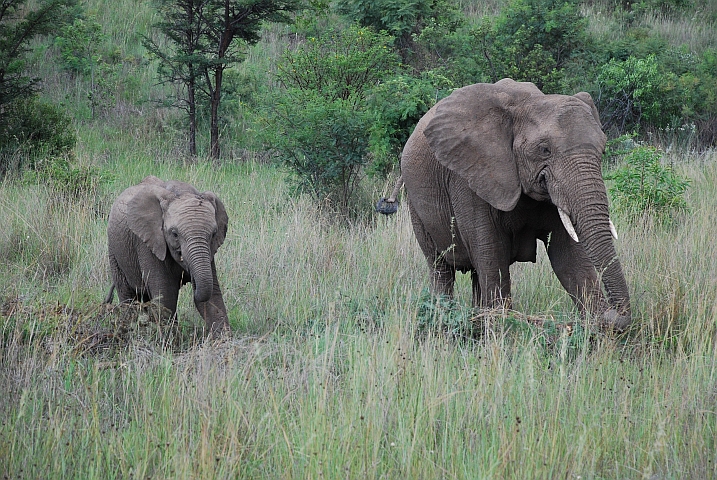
(216, 95)
(192, 107)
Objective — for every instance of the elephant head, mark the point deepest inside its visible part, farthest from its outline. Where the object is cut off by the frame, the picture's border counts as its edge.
(509, 139)
(188, 225)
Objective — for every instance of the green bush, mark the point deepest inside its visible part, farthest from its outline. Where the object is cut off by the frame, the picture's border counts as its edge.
(556, 25)
(443, 316)
(531, 40)
(32, 129)
(399, 102)
(79, 45)
(321, 122)
(644, 185)
(632, 95)
(324, 143)
(403, 19)
(68, 180)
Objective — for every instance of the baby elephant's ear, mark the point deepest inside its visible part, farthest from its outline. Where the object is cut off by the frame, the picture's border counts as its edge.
(221, 217)
(145, 217)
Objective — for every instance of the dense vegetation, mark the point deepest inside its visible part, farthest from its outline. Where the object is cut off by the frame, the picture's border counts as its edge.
(339, 364)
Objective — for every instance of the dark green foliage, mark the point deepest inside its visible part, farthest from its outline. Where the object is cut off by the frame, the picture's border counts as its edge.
(321, 123)
(403, 19)
(83, 54)
(556, 25)
(439, 315)
(79, 45)
(630, 94)
(645, 185)
(205, 38)
(324, 143)
(30, 130)
(531, 40)
(399, 102)
(19, 25)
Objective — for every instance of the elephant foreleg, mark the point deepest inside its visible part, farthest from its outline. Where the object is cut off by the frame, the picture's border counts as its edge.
(492, 291)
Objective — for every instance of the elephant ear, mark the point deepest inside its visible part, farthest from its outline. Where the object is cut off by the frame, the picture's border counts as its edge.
(585, 97)
(221, 217)
(471, 133)
(145, 216)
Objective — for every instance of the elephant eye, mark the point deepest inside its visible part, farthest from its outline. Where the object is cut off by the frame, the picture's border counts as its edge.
(174, 233)
(545, 151)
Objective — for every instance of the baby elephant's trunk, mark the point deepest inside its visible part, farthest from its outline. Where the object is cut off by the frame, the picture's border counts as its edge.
(200, 268)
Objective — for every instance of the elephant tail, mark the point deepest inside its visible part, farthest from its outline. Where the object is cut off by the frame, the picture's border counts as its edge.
(110, 294)
(389, 206)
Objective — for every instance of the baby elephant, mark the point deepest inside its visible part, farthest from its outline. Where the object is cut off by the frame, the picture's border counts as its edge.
(162, 235)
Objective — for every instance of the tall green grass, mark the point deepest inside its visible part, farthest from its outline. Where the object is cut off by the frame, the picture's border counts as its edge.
(324, 375)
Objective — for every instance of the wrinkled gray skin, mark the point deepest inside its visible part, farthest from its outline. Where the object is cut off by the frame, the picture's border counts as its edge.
(162, 235)
(486, 171)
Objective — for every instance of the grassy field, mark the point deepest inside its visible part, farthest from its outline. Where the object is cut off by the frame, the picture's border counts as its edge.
(326, 373)
(338, 365)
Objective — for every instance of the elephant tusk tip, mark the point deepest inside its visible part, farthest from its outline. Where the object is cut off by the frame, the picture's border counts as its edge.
(613, 230)
(568, 224)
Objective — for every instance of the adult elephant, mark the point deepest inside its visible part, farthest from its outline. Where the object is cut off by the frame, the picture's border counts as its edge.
(162, 235)
(493, 167)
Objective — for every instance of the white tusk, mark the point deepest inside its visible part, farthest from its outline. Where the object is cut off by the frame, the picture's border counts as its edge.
(613, 230)
(568, 225)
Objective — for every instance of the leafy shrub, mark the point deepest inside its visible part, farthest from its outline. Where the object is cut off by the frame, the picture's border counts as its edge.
(70, 181)
(644, 185)
(531, 40)
(31, 130)
(324, 143)
(80, 49)
(399, 102)
(632, 94)
(440, 315)
(79, 45)
(402, 19)
(321, 121)
(697, 91)
(556, 25)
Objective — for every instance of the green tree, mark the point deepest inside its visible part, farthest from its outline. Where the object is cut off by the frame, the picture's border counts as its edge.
(403, 19)
(531, 40)
(322, 122)
(28, 127)
(398, 103)
(205, 38)
(632, 94)
(19, 25)
(80, 45)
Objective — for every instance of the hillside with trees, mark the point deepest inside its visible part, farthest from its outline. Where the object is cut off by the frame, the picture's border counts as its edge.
(258, 78)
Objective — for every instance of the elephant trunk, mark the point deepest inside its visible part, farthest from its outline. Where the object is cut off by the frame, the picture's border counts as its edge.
(199, 263)
(589, 212)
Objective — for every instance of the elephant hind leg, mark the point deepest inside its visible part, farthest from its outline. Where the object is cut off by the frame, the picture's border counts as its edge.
(476, 288)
